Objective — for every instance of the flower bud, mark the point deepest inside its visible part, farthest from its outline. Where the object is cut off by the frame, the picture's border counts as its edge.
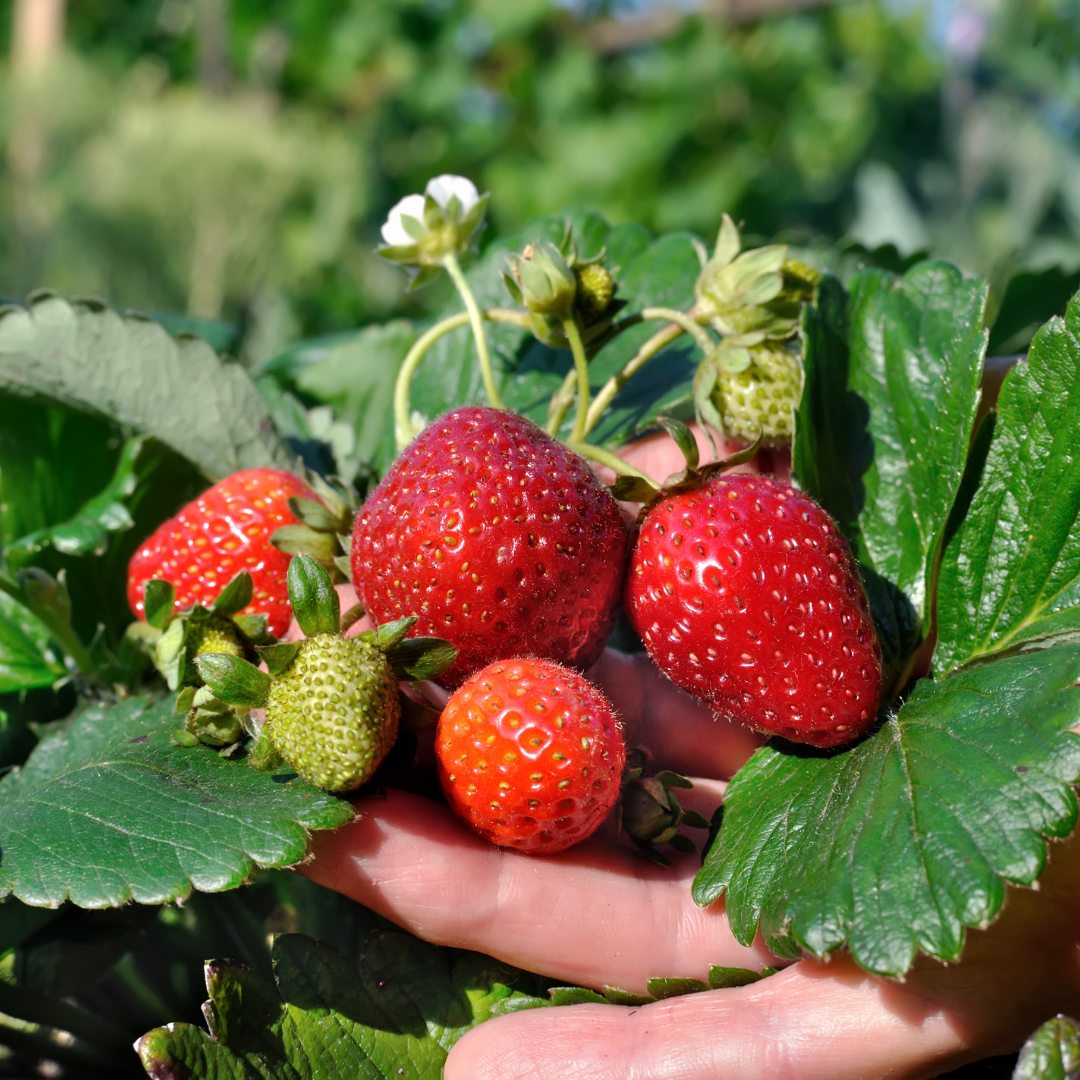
(542, 281)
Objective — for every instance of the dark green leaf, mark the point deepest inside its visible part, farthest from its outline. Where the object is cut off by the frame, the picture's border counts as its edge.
(901, 842)
(234, 680)
(724, 978)
(235, 596)
(108, 810)
(616, 996)
(314, 599)
(129, 370)
(159, 601)
(576, 995)
(87, 533)
(1011, 572)
(398, 1016)
(26, 657)
(883, 428)
(1052, 1052)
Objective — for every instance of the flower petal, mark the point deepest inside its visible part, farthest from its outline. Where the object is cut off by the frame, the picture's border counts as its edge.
(443, 188)
(393, 231)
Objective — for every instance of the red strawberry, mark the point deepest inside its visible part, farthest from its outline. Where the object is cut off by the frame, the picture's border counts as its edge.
(530, 755)
(499, 538)
(225, 530)
(747, 596)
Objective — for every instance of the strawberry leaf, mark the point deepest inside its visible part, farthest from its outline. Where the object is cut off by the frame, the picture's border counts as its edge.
(1010, 574)
(883, 428)
(26, 658)
(1052, 1052)
(108, 810)
(899, 843)
(398, 1016)
(128, 369)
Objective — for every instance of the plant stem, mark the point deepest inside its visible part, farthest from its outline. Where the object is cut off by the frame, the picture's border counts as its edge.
(402, 421)
(561, 401)
(648, 350)
(680, 318)
(453, 268)
(53, 1012)
(581, 365)
(606, 457)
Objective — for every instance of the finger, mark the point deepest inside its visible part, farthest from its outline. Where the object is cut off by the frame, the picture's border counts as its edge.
(676, 731)
(658, 456)
(811, 1022)
(597, 914)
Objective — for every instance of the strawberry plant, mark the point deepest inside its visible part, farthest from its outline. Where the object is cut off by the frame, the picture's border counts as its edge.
(901, 618)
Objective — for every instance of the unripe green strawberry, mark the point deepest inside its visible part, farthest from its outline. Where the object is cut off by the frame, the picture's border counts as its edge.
(215, 635)
(333, 713)
(762, 399)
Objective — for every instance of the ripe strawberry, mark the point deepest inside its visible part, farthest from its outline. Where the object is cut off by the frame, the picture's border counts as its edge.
(530, 755)
(225, 530)
(498, 538)
(746, 595)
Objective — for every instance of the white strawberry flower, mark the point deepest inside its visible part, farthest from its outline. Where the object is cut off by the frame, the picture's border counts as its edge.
(422, 232)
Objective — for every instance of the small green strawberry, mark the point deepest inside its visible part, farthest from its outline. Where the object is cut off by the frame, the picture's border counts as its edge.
(331, 702)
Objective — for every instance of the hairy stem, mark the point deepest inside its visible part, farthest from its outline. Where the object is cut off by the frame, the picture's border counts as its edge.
(453, 268)
(687, 322)
(402, 421)
(561, 401)
(581, 366)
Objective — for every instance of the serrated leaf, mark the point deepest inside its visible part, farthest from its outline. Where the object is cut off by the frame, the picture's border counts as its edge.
(26, 657)
(87, 533)
(1010, 574)
(883, 428)
(669, 988)
(108, 810)
(899, 843)
(128, 369)
(1052, 1052)
(616, 996)
(398, 1016)
(576, 995)
(725, 978)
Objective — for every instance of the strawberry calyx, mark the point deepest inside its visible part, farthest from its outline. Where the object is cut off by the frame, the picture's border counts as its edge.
(640, 489)
(650, 814)
(174, 639)
(323, 529)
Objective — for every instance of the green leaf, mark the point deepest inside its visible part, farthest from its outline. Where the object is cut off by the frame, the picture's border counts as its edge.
(724, 978)
(26, 657)
(129, 370)
(576, 995)
(234, 680)
(108, 810)
(1010, 574)
(87, 533)
(883, 428)
(398, 1016)
(313, 597)
(669, 988)
(1052, 1052)
(899, 843)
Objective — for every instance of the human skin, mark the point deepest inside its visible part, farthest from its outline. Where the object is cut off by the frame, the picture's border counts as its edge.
(600, 915)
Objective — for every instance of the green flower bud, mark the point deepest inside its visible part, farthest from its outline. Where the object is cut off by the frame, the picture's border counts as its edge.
(542, 281)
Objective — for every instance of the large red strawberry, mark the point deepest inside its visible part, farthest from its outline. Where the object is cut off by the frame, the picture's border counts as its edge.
(499, 538)
(225, 530)
(746, 595)
(530, 755)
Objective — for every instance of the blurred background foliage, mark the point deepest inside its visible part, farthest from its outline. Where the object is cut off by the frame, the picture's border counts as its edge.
(233, 158)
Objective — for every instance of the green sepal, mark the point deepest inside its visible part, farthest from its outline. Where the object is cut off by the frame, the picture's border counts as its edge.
(211, 720)
(234, 681)
(170, 653)
(186, 698)
(389, 635)
(278, 657)
(264, 756)
(344, 565)
(159, 599)
(417, 716)
(669, 988)
(236, 595)
(684, 440)
(726, 978)
(614, 996)
(417, 659)
(313, 514)
(313, 597)
(635, 489)
(351, 617)
(304, 540)
(183, 737)
(254, 628)
(671, 779)
(143, 636)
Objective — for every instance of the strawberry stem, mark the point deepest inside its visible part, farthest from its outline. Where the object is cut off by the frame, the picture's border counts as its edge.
(581, 365)
(453, 268)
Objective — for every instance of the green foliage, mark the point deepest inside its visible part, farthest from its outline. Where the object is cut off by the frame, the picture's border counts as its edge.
(176, 818)
(399, 1015)
(1010, 576)
(130, 371)
(880, 846)
(1052, 1052)
(26, 656)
